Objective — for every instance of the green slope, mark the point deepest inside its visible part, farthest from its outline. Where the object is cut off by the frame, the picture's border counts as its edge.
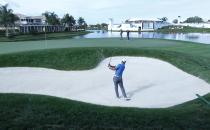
(42, 112)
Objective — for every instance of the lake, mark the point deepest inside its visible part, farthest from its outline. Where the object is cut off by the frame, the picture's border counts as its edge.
(194, 37)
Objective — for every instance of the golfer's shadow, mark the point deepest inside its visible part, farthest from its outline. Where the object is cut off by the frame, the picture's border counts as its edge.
(139, 89)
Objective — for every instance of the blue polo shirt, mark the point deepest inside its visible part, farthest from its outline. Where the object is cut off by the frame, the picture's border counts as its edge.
(119, 70)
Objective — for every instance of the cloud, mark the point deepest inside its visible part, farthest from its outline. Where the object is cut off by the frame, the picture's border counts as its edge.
(3, 2)
(96, 11)
(10, 2)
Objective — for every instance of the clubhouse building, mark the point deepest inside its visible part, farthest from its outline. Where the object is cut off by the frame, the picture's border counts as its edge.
(137, 25)
(27, 24)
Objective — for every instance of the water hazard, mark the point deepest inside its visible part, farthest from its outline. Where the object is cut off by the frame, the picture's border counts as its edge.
(194, 37)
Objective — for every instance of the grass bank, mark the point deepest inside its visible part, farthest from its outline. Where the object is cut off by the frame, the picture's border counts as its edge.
(19, 111)
(88, 58)
(184, 29)
(41, 36)
(87, 53)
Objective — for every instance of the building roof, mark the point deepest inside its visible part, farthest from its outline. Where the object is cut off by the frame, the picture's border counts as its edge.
(22, 16)
(138, 19)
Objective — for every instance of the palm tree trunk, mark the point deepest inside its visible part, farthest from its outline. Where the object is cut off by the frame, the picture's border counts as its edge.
(13, 30)
(7, 32)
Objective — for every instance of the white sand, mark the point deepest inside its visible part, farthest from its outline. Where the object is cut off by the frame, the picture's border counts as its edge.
(150, 83)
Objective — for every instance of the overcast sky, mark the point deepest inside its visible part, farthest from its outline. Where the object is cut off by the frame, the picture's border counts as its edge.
(98, 11)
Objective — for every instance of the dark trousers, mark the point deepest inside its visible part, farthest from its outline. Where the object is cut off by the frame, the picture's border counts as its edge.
(119, 81)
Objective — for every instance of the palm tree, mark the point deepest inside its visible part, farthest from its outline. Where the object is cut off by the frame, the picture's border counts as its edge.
(68, 21)
(51, 18)
(7, 18)
(81, 22)
(179, 19)
(164, 19)
(175, 21)
(14, 18)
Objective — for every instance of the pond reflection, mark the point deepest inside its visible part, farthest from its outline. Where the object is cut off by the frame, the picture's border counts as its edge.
(194, 37)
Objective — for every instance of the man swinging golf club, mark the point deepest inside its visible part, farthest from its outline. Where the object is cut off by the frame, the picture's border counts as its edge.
(118, 77)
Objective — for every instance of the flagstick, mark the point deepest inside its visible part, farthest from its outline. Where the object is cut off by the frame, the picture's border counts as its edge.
(45, 37)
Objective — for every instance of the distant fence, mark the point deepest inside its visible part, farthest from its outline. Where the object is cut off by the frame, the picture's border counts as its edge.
(3, 28)
(41, 28)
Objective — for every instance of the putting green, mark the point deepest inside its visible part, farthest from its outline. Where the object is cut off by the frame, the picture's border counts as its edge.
(171, 45)
(10, 47)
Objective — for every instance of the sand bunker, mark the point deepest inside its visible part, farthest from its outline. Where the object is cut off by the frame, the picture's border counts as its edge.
(150, 83)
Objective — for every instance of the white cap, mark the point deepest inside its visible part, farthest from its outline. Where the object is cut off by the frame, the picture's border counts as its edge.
(124, 60)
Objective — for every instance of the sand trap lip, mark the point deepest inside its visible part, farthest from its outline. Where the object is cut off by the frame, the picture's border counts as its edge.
(151, 83)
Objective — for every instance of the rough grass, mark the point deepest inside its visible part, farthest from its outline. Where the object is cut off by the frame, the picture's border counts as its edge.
(27, 112)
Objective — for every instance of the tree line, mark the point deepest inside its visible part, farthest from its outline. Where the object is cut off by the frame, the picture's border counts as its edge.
(67, 20)
(102, 26)
(194, 19)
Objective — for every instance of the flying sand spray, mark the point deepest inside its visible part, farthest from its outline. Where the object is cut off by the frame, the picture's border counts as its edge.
(110, 60)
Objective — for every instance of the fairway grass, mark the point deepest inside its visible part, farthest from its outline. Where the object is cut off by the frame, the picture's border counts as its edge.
(18, 111)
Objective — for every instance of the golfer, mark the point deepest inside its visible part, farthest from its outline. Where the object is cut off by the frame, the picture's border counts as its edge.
(128, 34)
(118, 77)
(121, 33)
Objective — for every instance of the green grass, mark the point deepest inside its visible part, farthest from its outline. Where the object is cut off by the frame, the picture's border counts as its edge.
(12, 47)
(18, 111)
(185, 29)
(41, 36)
(88, 58)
